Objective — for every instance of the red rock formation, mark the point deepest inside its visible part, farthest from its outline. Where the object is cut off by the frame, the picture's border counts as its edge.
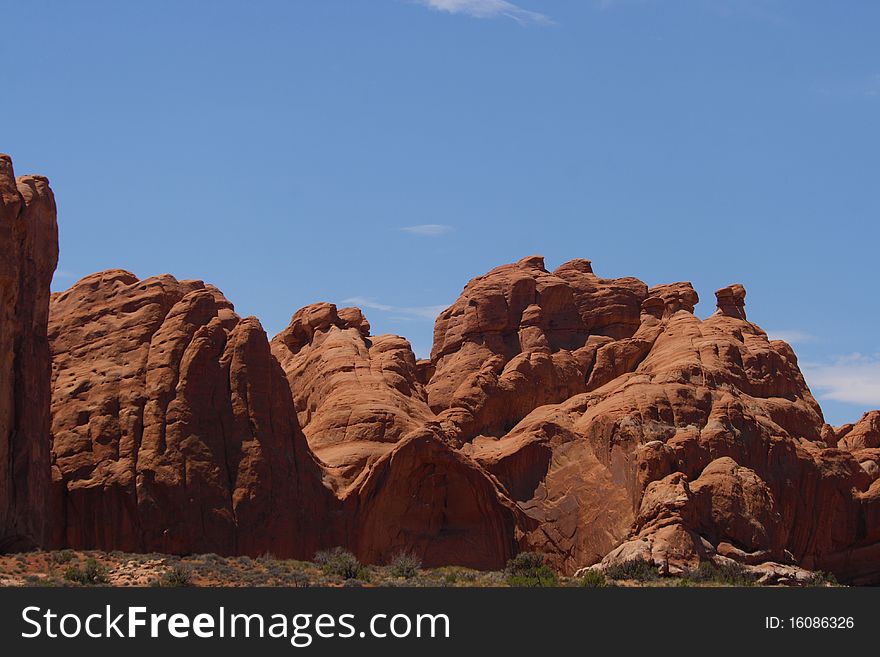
(427, 498)
(864, 434)
(520, 337)
(593, 420)
(173, 427)
(701, 439)
(364, 411)
(28, 255)
(356, 396)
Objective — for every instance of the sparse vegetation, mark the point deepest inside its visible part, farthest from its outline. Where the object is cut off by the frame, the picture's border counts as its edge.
(821, 578)
(636, 570)
(64, 556)
(299, 580)
(91, 574)
(338, 567)
(405, 565)
(529, 569)
(593, 579)
(340, 562)
(177, 577)
(727, 574)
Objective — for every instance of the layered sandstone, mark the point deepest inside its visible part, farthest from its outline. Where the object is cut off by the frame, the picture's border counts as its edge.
(172, 424)
(428, 498)
(593, 420)
(520, 337)
(356, 396)
(621, 423)
(401, 484)
(28, 256)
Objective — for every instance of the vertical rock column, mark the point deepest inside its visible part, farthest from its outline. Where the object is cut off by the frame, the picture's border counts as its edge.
(28, 256)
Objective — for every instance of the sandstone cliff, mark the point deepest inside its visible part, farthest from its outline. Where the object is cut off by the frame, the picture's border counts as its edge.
(688, 440)
(28, 255)
(173, 427)
(365, 414)
(593, 420)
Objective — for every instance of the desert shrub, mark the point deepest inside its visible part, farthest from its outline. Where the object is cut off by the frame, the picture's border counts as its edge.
(593, 579)
(524, 562)
(65, 556)
(820, 578)
(46, 582)
(727, 574)
(635, 569)
(177, 577)
(340, 562)
(266, 558)
(298, 580)
(405, 564)
(92, 573)
(529, 569)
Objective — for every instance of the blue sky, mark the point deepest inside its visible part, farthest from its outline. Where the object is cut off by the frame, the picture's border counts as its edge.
(386, 151)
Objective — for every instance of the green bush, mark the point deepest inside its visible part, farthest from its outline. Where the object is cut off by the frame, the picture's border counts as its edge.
(405, 564)
(636, 569)
(298, 580)
(90, 575)
(727, 574)
(820, 578)
(65, 556)
(177, 577)
(524, 562)
(529, 569)
(340, 562)
(594, 579)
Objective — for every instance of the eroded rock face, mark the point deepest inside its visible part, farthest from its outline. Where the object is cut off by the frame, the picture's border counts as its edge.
(172, 424)
(521, 337)
(707, 442)
(594, 420)
(864, 434)
(675, 440)
(28, 256)
(401, 483)
(427, 498)
(356, 396)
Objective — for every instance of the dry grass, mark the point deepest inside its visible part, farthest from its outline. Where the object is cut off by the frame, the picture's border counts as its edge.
(95, 568)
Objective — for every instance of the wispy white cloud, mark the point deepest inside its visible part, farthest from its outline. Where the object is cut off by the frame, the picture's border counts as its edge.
(400, 312)
(854, 379)
(428, 230)
(791, 336)
(362, 302)
(489, 9)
